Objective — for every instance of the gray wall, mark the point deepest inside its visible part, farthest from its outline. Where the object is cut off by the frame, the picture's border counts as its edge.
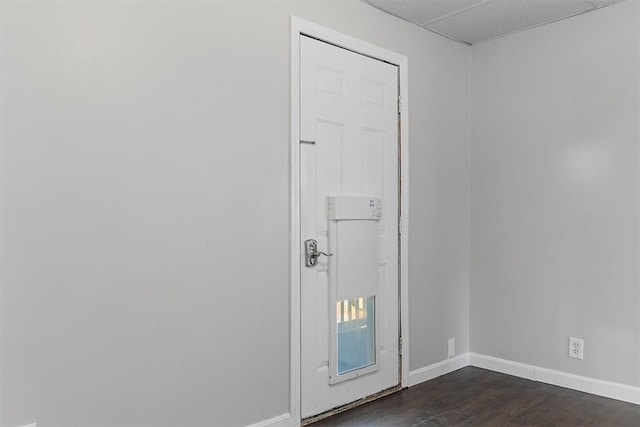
(145, 164)
(554, 243)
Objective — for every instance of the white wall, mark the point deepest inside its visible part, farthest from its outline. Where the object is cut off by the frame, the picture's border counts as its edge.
(144, 196)
(555, 194)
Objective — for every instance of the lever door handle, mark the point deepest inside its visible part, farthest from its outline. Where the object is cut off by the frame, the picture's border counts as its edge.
(311, 253)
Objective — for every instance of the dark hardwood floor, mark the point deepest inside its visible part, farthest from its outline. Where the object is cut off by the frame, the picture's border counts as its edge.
(477, 397)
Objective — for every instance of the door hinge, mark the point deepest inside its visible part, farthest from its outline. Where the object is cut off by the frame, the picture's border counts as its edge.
(400, 225)
(399, 104)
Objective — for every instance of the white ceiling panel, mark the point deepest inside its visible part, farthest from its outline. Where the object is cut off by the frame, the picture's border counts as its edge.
(603, 3)
(422, 11)
(474, 21)
(501, 17)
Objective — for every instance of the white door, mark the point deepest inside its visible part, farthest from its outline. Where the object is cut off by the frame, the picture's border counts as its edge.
(349, 206)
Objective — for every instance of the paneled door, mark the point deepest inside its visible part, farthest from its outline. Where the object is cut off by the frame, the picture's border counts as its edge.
(349, 195)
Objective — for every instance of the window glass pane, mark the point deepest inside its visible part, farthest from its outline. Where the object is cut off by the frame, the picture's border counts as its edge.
(356, 334)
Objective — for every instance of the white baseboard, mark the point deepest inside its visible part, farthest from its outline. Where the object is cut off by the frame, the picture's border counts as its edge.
(508, 367)
(623, 392)
(438, 369)
(609, 389)
(283, 420)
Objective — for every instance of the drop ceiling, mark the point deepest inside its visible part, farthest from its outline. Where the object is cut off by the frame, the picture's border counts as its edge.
(475, 21)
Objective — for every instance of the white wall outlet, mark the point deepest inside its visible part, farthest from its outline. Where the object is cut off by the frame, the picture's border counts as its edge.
(576, 348)
(451, 347)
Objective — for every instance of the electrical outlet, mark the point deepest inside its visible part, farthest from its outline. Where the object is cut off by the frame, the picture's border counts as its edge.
(451, 347)
(576, 348)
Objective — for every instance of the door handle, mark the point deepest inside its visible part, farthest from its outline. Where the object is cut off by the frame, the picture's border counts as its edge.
(311, 253)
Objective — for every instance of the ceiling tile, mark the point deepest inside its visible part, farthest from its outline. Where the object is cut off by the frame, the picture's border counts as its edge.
(422, 11)
(603, 3)
(501, 17)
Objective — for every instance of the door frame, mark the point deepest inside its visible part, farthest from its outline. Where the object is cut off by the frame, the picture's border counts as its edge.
(301, 27)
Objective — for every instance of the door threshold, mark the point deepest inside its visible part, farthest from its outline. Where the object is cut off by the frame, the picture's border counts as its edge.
(343, 408)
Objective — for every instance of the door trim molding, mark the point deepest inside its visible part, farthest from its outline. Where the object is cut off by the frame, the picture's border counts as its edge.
(300, 27)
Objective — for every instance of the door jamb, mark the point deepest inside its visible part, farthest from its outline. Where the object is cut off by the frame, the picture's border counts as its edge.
(300, 27)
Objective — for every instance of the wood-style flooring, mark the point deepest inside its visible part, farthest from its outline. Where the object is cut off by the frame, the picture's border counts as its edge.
(477, 397)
